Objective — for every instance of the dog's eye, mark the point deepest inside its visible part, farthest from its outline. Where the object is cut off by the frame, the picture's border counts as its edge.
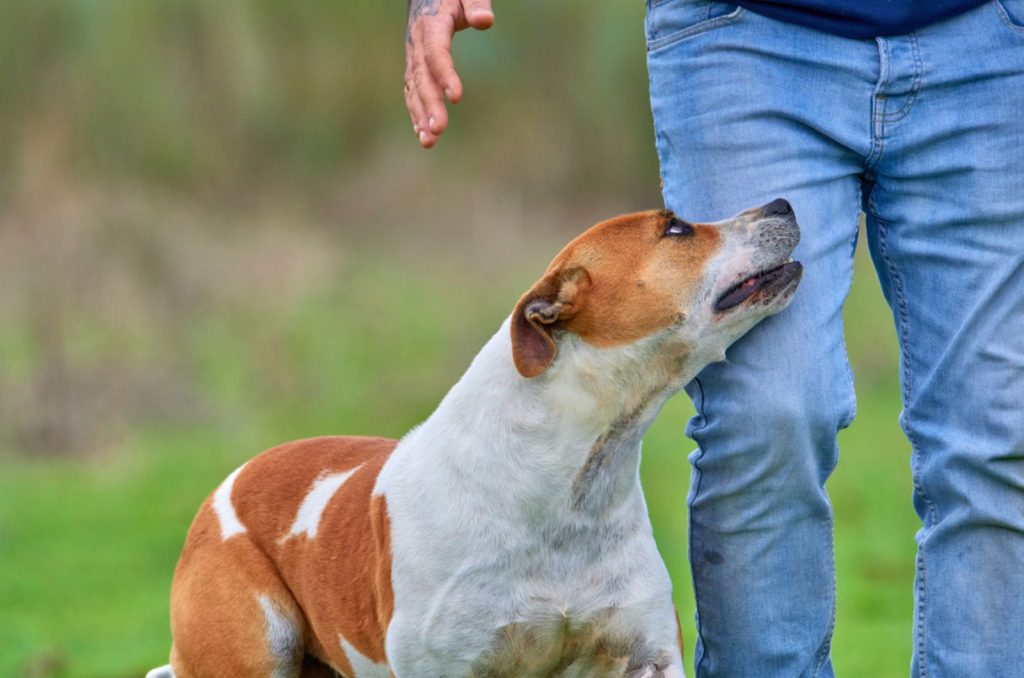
(677, 228)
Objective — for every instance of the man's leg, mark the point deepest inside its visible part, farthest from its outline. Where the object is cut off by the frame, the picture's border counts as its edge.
(746, 110)
(946, 224)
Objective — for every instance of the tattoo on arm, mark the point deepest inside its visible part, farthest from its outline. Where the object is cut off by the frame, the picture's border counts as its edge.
(422, 7)
(418, 8)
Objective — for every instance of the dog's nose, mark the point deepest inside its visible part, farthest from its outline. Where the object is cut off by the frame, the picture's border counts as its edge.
(777, 208)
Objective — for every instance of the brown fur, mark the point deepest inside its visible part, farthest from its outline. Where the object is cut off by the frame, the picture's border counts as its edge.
(337, 583)
(618, 282)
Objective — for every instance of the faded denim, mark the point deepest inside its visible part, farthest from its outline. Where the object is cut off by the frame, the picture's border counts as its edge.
(925, 133)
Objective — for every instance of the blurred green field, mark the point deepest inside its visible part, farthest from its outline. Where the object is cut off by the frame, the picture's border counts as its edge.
(87, 546)
(217, 234)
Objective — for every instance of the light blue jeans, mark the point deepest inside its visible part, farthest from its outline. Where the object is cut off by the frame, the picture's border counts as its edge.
(925, 133)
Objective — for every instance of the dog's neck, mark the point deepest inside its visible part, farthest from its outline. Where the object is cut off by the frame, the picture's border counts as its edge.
(566, 440)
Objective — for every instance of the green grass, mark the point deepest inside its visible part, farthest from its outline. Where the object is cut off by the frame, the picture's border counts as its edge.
(87, 546)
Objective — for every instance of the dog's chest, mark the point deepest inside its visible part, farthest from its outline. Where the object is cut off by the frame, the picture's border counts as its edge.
(569, 619)
(558, 645)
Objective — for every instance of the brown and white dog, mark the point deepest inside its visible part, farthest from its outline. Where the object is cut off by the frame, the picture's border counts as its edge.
(507, 535)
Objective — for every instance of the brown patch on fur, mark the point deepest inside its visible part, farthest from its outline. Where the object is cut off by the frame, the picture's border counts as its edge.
(618, 282)
(337, 583)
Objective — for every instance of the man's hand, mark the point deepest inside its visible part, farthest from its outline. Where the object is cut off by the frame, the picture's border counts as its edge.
(430, 75)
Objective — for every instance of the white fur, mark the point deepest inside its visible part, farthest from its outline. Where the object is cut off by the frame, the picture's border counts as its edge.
(164, 671)
(362, 667)
(230, 525)
(283, 638)
(307, 520)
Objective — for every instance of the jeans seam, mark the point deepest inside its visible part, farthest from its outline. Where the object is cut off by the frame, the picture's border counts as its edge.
(922, 662)
(1004, 16)
(878, 101)
(694, 30)
(903, 328)
(827, 646)
(915, 87)
(693, 496)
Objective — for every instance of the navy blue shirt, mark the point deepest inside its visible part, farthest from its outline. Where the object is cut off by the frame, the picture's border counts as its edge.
(861, 18)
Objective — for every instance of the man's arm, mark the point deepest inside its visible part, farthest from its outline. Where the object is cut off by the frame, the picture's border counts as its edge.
(430, 75)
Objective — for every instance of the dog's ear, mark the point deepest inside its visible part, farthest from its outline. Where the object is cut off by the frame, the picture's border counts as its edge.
(554, 299)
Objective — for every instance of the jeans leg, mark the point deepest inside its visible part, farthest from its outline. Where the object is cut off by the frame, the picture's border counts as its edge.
(746, 111)
(946, 228)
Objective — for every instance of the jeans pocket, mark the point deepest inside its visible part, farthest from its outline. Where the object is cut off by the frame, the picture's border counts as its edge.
(669, 21)
(1012, 13)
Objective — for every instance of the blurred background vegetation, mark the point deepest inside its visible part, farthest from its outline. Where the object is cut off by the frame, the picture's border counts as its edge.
(217, 233)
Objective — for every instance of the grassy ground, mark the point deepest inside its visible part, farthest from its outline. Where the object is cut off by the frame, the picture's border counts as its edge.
(88, 544)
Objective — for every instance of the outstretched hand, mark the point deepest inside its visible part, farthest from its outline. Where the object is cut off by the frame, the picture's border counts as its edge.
(430, 75)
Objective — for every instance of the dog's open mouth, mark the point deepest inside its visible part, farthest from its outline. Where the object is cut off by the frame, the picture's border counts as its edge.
(760, 285)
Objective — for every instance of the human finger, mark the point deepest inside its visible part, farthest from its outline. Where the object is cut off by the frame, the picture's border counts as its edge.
(431, 98)
(478, 13)
(415, 108)
(437, 54)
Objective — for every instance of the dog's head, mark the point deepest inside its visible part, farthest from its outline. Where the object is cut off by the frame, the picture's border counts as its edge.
(653, 277)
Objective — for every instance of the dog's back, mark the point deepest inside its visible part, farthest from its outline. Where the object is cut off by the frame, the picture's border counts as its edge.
(268, 523)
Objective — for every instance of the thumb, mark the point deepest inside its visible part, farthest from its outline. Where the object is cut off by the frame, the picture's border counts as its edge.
(479, 14)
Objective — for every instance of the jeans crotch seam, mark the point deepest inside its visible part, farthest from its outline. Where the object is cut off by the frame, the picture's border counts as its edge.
(903, 327)
(700, 408)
